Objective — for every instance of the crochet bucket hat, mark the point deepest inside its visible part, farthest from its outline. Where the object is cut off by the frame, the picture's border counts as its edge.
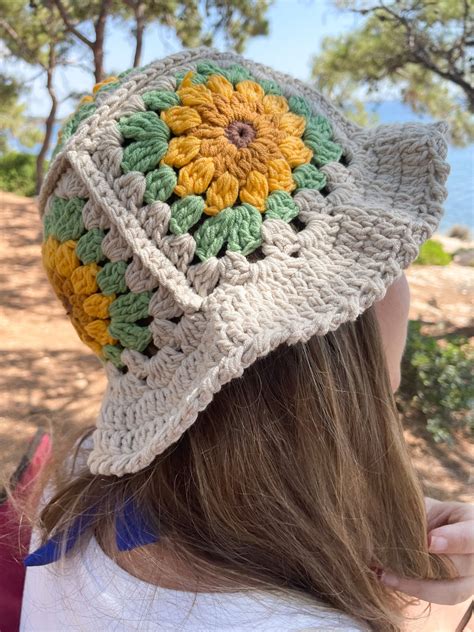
(203, 210)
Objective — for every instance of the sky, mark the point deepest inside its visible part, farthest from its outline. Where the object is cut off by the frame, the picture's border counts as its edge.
(297, 28)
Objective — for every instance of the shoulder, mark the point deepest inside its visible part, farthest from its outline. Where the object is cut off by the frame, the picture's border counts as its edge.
(305, 615)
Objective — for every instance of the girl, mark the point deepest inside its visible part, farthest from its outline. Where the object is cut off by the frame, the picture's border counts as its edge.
(232, 249)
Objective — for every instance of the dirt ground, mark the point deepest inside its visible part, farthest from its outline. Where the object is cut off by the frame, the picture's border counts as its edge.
(50, 379)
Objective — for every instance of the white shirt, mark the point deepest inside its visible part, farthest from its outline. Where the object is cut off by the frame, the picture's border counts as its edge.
(91, 593)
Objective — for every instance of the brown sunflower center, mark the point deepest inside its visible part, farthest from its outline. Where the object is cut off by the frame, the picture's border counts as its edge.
(240, 133)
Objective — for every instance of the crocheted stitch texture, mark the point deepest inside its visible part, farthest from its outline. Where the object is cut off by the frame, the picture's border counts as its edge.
(205, 209)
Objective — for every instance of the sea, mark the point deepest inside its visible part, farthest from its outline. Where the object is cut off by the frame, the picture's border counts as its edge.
(459, 205)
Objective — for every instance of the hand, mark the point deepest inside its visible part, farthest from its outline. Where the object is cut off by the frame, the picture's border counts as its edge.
(451, 533)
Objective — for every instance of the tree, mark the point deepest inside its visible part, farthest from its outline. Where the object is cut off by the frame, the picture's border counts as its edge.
(74, 13)
(35, 35)
(42, 33)
(192, 21)
(13, 121)
(418, 46)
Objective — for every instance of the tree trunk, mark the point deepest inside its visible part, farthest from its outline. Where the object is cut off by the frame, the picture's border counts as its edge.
(98, 62)
(50, 120)
(98, 46)
(140, 29)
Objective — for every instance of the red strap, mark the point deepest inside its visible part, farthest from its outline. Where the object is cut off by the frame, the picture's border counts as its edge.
(15, 536)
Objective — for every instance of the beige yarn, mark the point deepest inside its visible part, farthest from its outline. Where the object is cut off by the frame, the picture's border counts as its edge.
(356, 241)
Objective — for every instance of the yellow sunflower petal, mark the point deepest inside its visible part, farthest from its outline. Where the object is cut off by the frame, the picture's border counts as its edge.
(250, 90)
(86, 99)
(97, 330)
(279, 176)
(220, 85)
(99, 85)
(181, 118)
(292, 124)
(187, 80)
(83, 279)
(274, 104)
(295, 151)
(97, 305)
(66, 259)
(86, 339)
(49, 250)
(222, 193)
(195, 177)
(195, 95)
(181, 150)
(255, 190)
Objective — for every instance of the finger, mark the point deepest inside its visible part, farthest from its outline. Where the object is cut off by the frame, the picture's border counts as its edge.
(453, 538)
(446, 592)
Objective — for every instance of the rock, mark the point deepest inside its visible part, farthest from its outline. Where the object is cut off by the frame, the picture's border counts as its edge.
(464, 257)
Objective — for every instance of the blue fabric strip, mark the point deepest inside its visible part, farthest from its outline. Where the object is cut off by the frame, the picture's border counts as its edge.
(131, 531)
(50, 551)
(131, 528)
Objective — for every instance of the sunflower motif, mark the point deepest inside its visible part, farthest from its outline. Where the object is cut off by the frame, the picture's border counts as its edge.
(228, 146)
(233, 143)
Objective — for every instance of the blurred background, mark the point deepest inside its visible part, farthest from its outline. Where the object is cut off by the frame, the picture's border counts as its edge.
(380, 61)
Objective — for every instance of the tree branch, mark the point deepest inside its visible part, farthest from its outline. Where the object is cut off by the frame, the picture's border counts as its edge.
(418, 52)
(70, 26)
(10, 31)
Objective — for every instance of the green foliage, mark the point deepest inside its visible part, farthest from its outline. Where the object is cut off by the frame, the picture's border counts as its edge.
(432, 253)
(13, 121)
(419, 46)
(437, 381)
(18, 173)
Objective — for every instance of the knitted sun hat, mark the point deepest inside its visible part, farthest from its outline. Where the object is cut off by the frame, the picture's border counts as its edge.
(203, 210)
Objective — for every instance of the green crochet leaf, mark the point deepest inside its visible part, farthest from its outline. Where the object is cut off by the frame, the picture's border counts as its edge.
(197, 77)
(160, 184)
(82, 113)
(318, 127)
(280, 205)
(130, 307)
(210, 237)
(124, 73)
(326, 152)
(245, 232)
(89, 246)
(111, 279)
(144, 126)
(239, 226)
(159, 100)
(143, 155)
(113, 353)
(73, 122)
(299, 106)
(206, 67)
(270, 87)
(131, 336)
(308, 177)
(65, 220)
(236, 73)
(56, 211)
(151, 136)
(185, 213)
(317, 136)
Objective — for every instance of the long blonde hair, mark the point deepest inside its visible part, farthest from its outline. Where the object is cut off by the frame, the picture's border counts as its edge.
(296, 478)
